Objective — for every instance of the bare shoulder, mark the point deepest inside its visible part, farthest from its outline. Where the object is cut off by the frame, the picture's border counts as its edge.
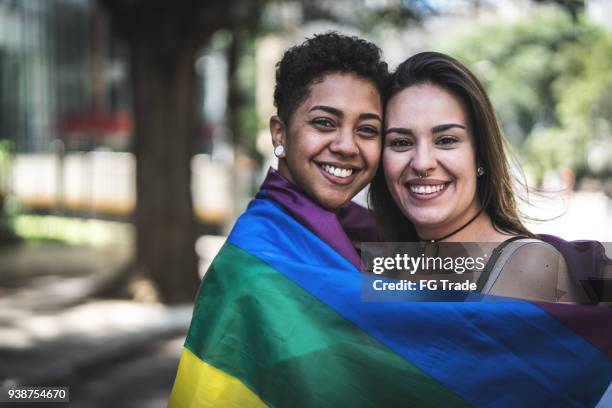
(535, 270)
(537, 256)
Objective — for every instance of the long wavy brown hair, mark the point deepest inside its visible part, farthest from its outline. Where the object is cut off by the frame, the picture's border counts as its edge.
(494, 187)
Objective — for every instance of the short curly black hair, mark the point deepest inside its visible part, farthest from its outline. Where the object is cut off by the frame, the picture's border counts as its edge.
(320, 55)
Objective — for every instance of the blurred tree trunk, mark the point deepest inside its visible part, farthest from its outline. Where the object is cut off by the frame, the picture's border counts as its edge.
(163, 102)
(163, 38)
(7, 235)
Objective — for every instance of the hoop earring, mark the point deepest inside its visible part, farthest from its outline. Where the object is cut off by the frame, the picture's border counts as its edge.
(279, 151)
(480, 171)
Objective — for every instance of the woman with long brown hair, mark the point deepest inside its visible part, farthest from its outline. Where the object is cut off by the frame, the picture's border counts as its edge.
(445, 177)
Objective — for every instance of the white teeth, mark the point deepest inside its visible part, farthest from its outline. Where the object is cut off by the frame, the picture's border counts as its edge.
(337, 171)
(428, 189)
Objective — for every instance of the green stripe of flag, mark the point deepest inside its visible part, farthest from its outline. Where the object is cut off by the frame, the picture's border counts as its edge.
(287, 346)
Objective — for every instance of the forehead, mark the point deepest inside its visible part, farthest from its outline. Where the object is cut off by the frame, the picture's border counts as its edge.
(426, 105)
(345, 91)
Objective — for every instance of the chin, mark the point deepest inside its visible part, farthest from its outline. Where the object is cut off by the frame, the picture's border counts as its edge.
(426, 220)
(332, 204)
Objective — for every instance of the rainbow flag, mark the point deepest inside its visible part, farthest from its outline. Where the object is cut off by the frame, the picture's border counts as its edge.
(279, 322)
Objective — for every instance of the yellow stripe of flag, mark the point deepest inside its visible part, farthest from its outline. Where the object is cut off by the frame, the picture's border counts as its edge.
(198, 384)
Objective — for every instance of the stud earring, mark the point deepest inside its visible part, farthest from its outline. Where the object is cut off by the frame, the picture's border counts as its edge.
(480, 171)
(279, 151)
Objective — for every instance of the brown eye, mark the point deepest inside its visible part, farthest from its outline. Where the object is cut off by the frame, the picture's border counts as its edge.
(368, 131)
(400, 144)
(446, 140)
(323, 123)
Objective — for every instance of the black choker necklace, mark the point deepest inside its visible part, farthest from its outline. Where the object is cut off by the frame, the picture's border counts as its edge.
(435, 241)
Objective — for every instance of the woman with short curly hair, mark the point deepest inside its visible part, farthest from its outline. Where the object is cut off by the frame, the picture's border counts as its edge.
(259, 332)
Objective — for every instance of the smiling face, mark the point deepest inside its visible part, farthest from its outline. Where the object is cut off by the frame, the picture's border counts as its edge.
(429, 159)
(333, 141)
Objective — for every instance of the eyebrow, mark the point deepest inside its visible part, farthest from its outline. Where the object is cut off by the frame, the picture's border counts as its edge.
(401, 131)
(328, 109)
(340, 114)
(435, 129)
(442, 128)
(365, 116)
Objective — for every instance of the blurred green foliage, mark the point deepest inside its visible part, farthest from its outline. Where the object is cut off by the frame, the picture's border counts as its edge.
(6, 230)
(72, 231)
(5, 163)
(549, 78)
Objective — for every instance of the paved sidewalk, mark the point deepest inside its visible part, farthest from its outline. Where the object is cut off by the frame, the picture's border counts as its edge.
(110, 352)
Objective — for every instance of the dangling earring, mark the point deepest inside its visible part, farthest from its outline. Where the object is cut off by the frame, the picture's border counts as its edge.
(480, 171)
(279, 151)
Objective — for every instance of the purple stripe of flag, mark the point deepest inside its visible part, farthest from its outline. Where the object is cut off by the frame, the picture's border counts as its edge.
(322, 222)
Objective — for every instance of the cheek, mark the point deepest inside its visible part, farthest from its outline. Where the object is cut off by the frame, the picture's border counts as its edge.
(292, 154)
(460, 163)
(468, 185)
(469, 173)
(370, 151)
(394, 165)
(299, 147)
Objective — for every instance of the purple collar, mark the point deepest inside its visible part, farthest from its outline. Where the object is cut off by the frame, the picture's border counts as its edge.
(352, 223)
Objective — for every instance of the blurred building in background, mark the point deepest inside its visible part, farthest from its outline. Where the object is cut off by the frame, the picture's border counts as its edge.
(65, 109)
(62, 77)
